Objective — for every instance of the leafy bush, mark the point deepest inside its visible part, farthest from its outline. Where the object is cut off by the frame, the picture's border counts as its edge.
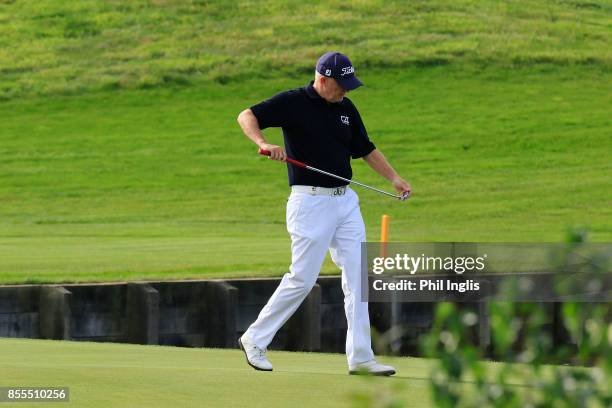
(460, 379)
(526, 349)
(521, 340)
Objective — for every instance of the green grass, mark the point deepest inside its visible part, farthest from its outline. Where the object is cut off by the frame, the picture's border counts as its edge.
(162, 184)
(118, 375)
(121, 375)
(53, 47)
(120, 157)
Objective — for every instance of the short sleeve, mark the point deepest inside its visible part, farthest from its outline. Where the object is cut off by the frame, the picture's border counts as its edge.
(273, 112)
(360, 142)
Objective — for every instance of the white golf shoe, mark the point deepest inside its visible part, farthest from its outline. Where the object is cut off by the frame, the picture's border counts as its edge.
(372, 368)
(255, 356)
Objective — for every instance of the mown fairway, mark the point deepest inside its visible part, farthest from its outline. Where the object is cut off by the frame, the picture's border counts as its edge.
(120, 375)
(124, 375)
(120, 157)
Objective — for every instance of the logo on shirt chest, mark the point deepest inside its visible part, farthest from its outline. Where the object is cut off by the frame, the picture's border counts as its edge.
(344, 119)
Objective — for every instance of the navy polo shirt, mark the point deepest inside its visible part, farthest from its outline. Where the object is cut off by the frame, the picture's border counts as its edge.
(321, 134)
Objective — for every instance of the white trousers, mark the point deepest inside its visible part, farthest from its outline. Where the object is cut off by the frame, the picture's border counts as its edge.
(317, 223)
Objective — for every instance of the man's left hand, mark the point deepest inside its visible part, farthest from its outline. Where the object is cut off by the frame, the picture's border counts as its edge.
(402, 186)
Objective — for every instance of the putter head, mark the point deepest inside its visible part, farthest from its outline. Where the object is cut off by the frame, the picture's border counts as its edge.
(404, 196)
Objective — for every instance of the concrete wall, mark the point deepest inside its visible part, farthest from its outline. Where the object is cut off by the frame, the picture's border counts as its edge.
(19, 311)
(98, 312)
(211, 313)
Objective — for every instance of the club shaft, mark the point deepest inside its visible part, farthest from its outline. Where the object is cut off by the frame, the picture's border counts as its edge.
(303, 165)
(350, 181)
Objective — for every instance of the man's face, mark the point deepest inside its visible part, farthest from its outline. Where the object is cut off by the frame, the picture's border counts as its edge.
(334, 92)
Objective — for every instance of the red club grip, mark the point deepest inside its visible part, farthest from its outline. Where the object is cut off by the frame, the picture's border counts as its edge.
(294, 162)
(265, 152)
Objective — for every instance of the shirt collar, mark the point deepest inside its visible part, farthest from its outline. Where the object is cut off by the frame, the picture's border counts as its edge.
(311, 92)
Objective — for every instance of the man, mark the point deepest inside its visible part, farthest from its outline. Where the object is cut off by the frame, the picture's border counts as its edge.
(323, 128)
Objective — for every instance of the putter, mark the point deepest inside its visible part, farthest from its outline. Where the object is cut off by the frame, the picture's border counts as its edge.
(402, 197)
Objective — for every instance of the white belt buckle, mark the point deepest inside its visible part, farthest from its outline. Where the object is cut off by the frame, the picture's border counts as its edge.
(338, 191)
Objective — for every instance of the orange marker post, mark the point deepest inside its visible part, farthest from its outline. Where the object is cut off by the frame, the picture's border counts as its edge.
(384, 235)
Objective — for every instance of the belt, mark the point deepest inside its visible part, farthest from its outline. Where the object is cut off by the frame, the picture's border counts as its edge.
(333, 191)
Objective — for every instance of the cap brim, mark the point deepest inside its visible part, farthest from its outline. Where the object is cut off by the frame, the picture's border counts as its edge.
(349, 83)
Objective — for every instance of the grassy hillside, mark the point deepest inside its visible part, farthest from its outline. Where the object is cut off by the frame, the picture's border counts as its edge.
(66, 47)
(151, 178)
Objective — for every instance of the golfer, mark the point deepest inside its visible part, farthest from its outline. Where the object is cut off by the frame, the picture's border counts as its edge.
(323, 128)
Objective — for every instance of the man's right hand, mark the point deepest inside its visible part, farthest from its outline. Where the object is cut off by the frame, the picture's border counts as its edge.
(276, 152)
(250, 126)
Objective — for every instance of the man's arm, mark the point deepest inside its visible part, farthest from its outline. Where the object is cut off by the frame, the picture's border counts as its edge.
(377, 161)
(250, 126)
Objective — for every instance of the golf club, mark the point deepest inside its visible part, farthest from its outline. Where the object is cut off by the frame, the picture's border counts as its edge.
(402, 197)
